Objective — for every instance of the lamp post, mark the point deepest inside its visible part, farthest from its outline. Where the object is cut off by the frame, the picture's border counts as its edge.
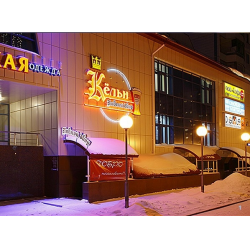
(245, 137)
(201, 131)
(126, 122)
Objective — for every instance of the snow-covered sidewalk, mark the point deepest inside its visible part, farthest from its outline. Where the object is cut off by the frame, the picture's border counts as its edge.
(234, 188)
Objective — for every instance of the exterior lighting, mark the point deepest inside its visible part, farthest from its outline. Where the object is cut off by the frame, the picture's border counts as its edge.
(201, 131)
(126, 122)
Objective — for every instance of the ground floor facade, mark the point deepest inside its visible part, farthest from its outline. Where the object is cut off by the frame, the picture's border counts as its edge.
(69, 93)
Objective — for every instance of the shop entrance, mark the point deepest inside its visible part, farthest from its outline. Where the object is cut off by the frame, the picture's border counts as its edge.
(28, 125)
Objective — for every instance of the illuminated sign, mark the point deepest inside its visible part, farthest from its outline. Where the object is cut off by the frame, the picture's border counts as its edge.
(96, 62)
(44, 69)
(234, 107)
(76, 136)
(22, 64)
(234, 92)
(102, 95)
(233, 121)
(17, 64)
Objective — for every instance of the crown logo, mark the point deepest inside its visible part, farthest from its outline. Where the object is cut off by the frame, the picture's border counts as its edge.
(96, 62)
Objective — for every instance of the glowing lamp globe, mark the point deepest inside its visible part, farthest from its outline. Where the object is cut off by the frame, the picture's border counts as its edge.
(201, 131)
(245, 137)
(126, 122)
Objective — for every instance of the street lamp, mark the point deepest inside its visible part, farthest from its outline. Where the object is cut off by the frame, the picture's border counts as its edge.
(201, 131)
(245, 137)
(126, 122)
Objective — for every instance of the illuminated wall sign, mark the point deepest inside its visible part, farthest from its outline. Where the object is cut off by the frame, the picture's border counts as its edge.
(233, 121)
(96, 62)
(22, 64)
(112, 98)
(44, 69)
(234, 107)
(76, 136)
(234, 92)
(17, 64)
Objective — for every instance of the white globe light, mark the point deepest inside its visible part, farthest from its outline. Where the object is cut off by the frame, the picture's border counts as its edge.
(245, 137)
(201, 131)
(126, 122)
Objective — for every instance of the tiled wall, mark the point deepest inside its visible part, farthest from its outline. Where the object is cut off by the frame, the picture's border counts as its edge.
(37, 114)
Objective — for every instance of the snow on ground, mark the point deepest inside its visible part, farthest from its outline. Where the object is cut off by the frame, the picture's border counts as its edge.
(234, 188)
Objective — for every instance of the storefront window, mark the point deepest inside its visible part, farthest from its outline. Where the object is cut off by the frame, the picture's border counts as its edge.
(183, 101)
(25, 41)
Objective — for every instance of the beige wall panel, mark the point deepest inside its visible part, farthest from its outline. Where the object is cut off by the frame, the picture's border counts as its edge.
(46, 79)
(125, 57)
(72, 64)
(86, 44)
(106, 52)
(63, 117)
(72, 115)
(130, 58)
(55, 56)
(79, 92)
(63, 95)
(119, 38)
(71, 90)
(119, 55)
(79, 117)
(55, 39)
(63, 40)
(93, 44)
(107, 35)
(141, 62)
(64, 61)
(113, 37)
(47, 38)
(71, 41)
(113, 53)
(100, 48)
(78, 43)
(38, 78)
(143, 145)
(136, 60)
(46, 53)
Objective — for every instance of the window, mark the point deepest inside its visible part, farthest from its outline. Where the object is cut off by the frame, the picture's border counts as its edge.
(26, 41)
(239, 47)
(247, 58)
(183, 102)
(4, 124)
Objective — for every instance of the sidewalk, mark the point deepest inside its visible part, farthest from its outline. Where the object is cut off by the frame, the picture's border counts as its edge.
(182, 202)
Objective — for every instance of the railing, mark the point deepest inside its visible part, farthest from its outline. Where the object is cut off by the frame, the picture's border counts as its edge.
(19, 138)
(209, 166)
(241, 165)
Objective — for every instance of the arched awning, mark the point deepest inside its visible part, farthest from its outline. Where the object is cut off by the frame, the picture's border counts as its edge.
(99, 147)
(209, 153)
(239, 152)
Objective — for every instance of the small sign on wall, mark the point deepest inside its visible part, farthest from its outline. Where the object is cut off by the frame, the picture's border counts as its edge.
(234, 121)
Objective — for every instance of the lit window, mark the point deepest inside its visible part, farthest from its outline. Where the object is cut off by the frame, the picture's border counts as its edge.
(26, 41)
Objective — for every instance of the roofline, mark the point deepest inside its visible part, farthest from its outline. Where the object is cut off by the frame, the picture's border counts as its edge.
(191, 53)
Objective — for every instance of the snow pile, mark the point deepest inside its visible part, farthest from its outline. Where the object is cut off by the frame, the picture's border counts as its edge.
(162, 165)
(234, 188)
(235, 182)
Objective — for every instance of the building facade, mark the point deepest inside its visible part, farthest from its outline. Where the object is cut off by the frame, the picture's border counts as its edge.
(229, 49)
(82, 83)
